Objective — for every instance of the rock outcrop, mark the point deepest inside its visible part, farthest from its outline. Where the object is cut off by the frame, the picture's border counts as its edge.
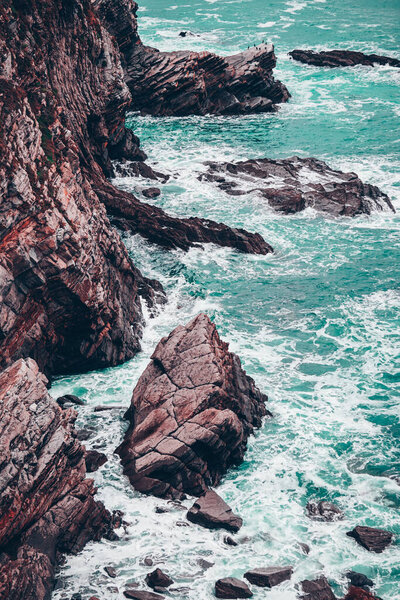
(292, 184)
(371, 538)
(192, 412)
(342, 58)
(47, 506)
(213, 512)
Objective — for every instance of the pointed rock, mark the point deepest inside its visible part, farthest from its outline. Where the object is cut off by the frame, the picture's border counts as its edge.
(371, 538)
(230, 587)
(269, 576)
(317, 589)
(213, 512)
(158, 578)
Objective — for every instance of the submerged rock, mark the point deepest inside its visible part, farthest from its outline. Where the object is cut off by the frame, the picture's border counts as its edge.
(231, 587)
(292, 184)
(212, 512)
(269, 576)
(317, 589)
(47, 505)
(371, 538)
(151, 192)
(192, 412)
(324, 511)
(158, 578)
(342, 58)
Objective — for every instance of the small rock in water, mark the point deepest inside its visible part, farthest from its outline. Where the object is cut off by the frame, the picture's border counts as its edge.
(231, 587)
(212, 512)
(269, 576)
(142, 595)
(104, 407)
(317, 589)
(158, 579)
(70, 398)
(111, 572)
(76, 597)
(324, 511)
(148, 561)
(358, 593)
(85, 434)
(229, 541)
(371, 538)
(359, 579)
(161, 510)
(94, 460)
(305, 547)
(204, 564)
(151, 192)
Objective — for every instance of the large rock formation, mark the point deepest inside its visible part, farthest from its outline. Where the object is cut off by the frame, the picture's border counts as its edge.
(192, 412)
(47, 506)
(292, 184)
(342, 58)
(185, 82)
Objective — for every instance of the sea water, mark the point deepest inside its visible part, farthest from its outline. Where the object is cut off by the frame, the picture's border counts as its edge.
(316, 324)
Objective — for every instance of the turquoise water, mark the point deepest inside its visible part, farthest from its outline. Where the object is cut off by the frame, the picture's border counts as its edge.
(316, 324)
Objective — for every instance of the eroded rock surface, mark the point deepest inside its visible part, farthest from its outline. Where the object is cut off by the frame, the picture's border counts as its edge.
(192, 412)
(371, 538)
(213, 512)
(342, 58)
(292, 184)
(47, 506)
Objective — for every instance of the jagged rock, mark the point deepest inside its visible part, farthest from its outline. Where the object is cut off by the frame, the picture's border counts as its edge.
(358, 593)
(94, 460)
(269, 576)
(158, 578)
(232, 588)
(211, 511)
(318, 589)
(47, 505)
(324, 511)
(70, 399)
(111, 571)
(292, 184)
(142, 595)
(191, 414)
(371, 538)
(359, 579)
(342, 58)
(151, 192)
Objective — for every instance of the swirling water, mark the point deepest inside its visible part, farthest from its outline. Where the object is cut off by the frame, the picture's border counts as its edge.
(316, 324)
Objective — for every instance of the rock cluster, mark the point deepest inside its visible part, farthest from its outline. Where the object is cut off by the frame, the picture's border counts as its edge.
(292, 184)
(342, 58)
(192, 412)
(47, 506)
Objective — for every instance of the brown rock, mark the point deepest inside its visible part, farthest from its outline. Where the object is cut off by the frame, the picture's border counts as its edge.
(94, 460)
(158, 578)
(374, 540)
(142, 595)
(47, 505)
(269, 576)
(192, 411)
(324, 511)
(111, 571)
(292, 184)
(358, 593)
(232, 588)
(151, 192)
(342, 58)
(211, 511)
(318, 589)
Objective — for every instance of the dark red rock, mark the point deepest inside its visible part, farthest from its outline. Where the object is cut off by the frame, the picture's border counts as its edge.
(232, 588)
(151, 192)
(269, 576)
(318, 589)
(358, 593)
(371, 538)
(324, 511)
(192, 412)
(94, 460)
(292, 184)
(158, 578)
(342, 58)
(211, 511)
(142, 595)
(47, 506)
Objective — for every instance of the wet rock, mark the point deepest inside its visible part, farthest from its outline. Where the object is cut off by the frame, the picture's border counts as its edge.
(232, 588)
(317, 589)
(358, 593)
(359, 579)
(85, 434)
(111, 571)
(76, 597)
(151, 192)
(142, 595)
(269, 576)
(205, 564)
(371, 538)
(192, 411)
(292, 184)
(158, 579)
(94, 460)
(211, 511)
(148, 561)
(342, 58)
(324, 511)
(70, 398)
(305, 547)
(106, 407)
(229, 541)
(47, 504)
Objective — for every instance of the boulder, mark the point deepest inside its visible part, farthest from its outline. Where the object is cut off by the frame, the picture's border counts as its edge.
(158, 579)
(231, 587)
(342, 58)
(269, 576)
(324, 511)
(358, 593)
(359, 579)
(317, 589)
(111, 571)
(70, 398)
(142, 595)
(371, 538)
(151, 192)
(94, 460)
(191, 414)
(211, 511)
(47, 504)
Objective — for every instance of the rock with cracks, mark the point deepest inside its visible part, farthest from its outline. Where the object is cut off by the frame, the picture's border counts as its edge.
(191, 414)
(342, 58)
(212, 512)
(231, 587)
(371, 538)
(292, 184)
(47, 505)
